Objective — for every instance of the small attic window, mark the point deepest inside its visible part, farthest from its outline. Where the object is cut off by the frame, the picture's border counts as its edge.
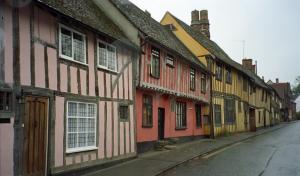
(170, 60)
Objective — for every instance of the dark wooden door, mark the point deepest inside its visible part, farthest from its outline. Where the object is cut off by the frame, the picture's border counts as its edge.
(35, 136)
(161, 123)
(252, 120)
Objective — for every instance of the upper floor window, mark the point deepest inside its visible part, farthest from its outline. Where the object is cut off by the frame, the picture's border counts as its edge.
(81, 126)
(228, 76)
(192, 79)
(219, 72)
(170, 60)
(147, 111)
(155, 62)
(262, 95)
(72, 45)
(5, 101)
(107, 56)
(203, 83)
(245, 85)
(180, 115)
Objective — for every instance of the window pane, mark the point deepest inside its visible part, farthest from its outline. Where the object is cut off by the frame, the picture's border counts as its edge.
(66, 42)
(82, 125)
(91, 110)
(111, 58)
(72, 140)
(91, 139)
(91, 125)
(82, 110)
(102, 55)
(72, 125)
(72, 109)
(82, 140)
(78, 46)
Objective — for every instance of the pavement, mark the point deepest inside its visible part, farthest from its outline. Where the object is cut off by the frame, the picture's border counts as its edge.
(159, 162)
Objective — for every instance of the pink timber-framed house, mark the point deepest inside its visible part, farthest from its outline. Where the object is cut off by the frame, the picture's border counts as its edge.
(67, 88)
(173, 87)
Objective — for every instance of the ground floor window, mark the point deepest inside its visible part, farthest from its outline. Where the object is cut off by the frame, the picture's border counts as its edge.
(217, 109)
(81, 126)
(147, 111)
(229, 110)
(180, 115)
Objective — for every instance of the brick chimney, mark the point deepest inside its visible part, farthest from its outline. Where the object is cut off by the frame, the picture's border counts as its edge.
(200, 22)
(247, 63)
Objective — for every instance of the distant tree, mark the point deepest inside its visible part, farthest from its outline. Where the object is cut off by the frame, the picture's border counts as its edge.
(298, 115)
(296, 88)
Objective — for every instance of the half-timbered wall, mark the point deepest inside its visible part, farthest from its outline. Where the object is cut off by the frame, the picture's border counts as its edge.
(41, 68)
(174, 79)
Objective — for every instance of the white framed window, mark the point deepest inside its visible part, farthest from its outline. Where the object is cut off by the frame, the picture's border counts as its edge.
(107, 56)
(81, 126)
(72, 45)
(170, 61)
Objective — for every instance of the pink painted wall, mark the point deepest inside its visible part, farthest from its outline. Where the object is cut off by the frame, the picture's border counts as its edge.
(83, 82)
(63, 78)
(91, 60)
(101, 130)
(161, 101)
(109, 132)
(6, 148)
(39, 65)
(52, 67)
(25, 73)
(59, 131)
(8, 46)
(74, 85)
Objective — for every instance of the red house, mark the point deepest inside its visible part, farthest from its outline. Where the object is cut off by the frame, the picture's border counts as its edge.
(173, 90)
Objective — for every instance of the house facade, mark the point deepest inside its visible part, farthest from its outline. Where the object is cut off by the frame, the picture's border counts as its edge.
(67, 89)
(288, 109)
(173, 90)
(236, 90)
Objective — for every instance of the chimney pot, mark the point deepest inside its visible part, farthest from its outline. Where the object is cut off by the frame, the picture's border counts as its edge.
(277, 80)
(201, 23)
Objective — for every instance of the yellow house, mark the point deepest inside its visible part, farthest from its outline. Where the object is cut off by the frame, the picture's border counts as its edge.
(236, 89)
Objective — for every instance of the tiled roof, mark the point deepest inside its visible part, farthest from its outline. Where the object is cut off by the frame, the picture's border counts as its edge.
(154, 30)
(214, 48)
(88, 13)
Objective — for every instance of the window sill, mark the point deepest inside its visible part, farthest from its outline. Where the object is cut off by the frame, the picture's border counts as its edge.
(180, 128)
(155, 77)
(86, 149)
(147, 126)
(107, 70)
(73, 61)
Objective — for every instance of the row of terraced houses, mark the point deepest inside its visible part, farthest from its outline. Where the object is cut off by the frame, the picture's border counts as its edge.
(85, 84)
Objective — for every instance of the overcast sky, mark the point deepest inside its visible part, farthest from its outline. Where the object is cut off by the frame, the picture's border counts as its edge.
(270, 29)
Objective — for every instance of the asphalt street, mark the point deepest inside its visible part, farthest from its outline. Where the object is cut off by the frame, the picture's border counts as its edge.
(273, 154)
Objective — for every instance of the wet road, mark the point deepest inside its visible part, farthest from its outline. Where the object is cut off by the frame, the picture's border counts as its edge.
(272, 154)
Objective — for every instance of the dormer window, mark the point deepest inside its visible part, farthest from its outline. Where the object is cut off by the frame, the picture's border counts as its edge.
(107, 56)
(170, 60)
(72, 45)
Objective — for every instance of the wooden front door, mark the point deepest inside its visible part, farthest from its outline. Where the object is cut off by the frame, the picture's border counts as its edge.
(161, 123)
(35, 136)
(252, 120)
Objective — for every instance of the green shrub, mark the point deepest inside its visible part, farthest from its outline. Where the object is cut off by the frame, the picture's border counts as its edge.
(298, 115)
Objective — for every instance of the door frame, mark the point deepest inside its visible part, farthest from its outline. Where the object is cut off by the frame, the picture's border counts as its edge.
(252, 119)
(161, 127)
(47, 157)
